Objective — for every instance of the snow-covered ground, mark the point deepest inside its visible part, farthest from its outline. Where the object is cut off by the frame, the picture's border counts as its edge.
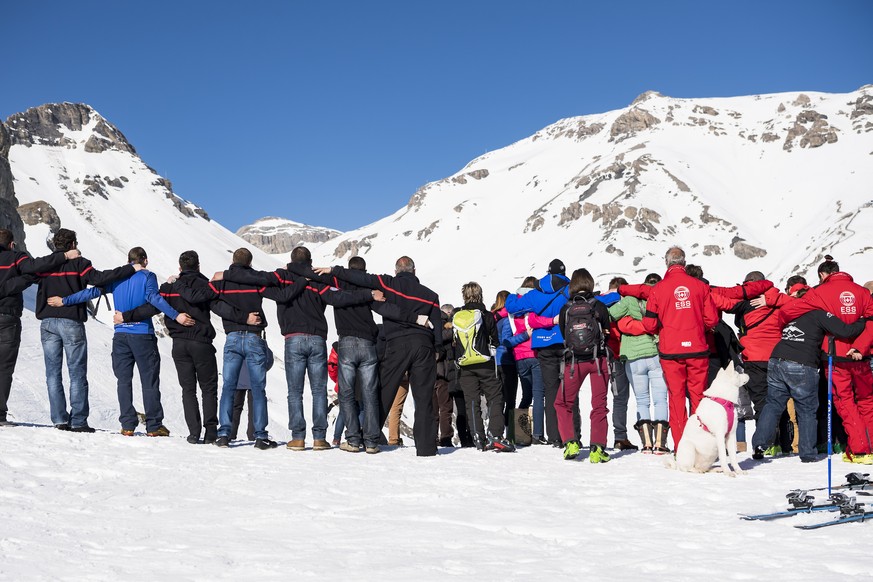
(107, 507)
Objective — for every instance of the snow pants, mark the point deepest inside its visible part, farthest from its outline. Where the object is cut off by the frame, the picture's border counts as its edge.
(686, 379)
(574, 375)
(853, 399)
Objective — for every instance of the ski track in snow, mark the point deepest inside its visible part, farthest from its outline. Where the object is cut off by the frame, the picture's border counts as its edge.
(107, 507)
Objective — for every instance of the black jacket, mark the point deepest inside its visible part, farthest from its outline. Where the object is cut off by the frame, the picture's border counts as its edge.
(71, 277)
(17, 273)
(304, 311)
(801, 338)
(249, 298)
(405, 291)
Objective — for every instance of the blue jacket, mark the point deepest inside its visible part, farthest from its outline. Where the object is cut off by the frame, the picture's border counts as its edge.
(545, 301)
(504, 349)
(130, 293)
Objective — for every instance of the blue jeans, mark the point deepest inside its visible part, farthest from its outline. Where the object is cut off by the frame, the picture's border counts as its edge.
(61, 336)
(530, 376)
(358, 365)
(244, 348)
(647, 380)
(306, 353)
(786, 379)
(129, 349)
(340, 424)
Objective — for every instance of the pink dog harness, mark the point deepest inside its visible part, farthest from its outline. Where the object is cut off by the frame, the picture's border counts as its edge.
(729, 410)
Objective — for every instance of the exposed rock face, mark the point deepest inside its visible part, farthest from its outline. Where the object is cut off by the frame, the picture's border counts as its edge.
(475, 174)
(744, 250)
(9, 217)
(632, 121)
(276, 235)
(353, 246)
(817, 134)
(40, 212)
(43, 126)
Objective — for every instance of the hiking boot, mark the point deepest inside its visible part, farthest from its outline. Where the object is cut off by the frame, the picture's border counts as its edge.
(742, 447)
(660, 430)
(598, 454)
(373, 449)
(127, 432)
(397, 443)
(350, 447)
(773, 451)
(558, 444)
(838, 448)
(625, 445)
(161, 431)
(265, 444)
(647, 435)
(5, 422)
(193, 439)
(296, 445)
(758, 455)
(502, 446)
(210, 439)
(63, 426)
(571, 450)
(538, 440)
(859, 459)
(321, 445)
(336, 442)
(84, 428)
(446, 442)
(809, 459)
(222, 442)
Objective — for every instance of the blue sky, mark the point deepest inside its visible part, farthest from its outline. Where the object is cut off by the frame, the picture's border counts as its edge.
(333, 113)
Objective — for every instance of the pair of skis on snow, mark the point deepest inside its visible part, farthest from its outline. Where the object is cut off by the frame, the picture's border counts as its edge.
(848, 506)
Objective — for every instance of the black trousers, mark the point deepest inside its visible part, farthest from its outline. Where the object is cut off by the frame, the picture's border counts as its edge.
(417, 357)
(195, 363)
(461, 420)
(477, 381)
(239, 400)
(10, 341)
(508, 375)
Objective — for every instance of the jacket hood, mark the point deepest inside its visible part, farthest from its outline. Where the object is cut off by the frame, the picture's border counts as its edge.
(552, 283)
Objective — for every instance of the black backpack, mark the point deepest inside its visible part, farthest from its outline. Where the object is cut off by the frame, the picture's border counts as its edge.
(583, 336)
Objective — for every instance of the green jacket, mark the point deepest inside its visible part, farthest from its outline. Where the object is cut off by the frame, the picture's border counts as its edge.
(634, 347)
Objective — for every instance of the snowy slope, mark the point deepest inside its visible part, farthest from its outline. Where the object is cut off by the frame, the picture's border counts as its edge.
(785, 176)
(105, 507)
(114, 201)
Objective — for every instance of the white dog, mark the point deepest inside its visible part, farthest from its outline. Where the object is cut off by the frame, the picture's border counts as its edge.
(711, 432)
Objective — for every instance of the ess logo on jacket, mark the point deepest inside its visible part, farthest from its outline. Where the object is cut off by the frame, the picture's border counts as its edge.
(848, 301)
(682, 294)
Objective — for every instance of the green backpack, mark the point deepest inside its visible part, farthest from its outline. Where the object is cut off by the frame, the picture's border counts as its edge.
(471, 336)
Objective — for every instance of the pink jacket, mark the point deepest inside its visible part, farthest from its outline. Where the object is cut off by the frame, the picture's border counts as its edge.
(521, 350)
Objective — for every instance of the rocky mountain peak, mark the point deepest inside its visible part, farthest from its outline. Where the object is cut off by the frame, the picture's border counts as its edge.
(276, 235)
(69, 125)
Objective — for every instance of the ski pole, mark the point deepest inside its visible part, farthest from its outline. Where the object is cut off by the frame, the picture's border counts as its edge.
(831, 349)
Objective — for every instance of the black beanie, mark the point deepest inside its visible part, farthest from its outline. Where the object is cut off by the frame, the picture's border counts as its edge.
(556, 267)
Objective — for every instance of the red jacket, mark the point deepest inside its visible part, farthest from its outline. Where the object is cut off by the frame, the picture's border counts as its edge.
(760, 329)
(839, 295)
(680, 310)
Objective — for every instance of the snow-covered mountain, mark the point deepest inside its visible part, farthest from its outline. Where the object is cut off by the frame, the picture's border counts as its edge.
(279, 235)
(766, 182)
(73, 168)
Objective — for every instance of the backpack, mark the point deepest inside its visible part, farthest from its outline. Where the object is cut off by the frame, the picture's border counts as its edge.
(471, 335)
(583, 336)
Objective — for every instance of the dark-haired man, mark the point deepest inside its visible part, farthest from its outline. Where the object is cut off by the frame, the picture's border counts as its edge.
(17, 273)
(62, 330)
